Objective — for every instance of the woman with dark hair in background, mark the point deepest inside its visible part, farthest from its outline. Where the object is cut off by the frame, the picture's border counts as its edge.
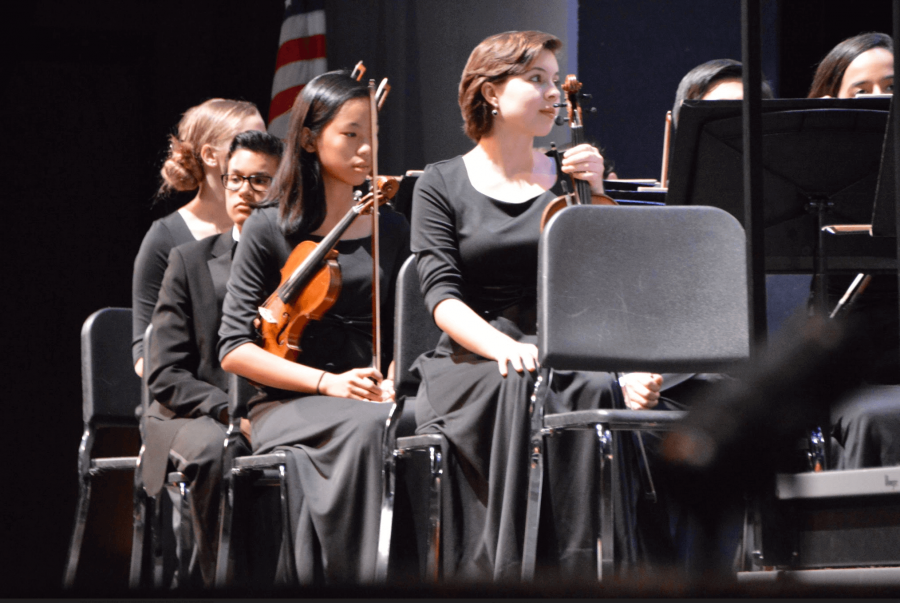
(195, 162)
(866, 425)
(719, 79)
(326, 409)
(863, 64)
(476, 226)
(186, 422)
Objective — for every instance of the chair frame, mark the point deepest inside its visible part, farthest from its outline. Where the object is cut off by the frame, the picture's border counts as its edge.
(261, 469)
(414, 333)
(88, 467)
(146, 506)
(606, 422)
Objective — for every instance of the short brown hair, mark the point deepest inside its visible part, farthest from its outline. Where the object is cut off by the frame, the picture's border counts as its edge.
(496, 59)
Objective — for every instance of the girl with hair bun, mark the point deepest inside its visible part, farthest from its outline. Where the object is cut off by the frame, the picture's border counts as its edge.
(195, 162)
(325, 410)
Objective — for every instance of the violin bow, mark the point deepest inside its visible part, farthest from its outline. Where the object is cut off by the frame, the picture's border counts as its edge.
(381, 93)
(376, 281)
(358, 71)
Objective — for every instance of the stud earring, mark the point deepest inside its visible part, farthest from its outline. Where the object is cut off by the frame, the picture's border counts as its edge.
(494, 111)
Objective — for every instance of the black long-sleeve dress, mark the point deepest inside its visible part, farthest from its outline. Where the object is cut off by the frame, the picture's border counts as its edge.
(866, 423)
(334, 444)
(483, 252)
(149, 267)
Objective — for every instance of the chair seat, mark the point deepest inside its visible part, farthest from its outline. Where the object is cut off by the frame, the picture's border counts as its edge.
(616, 420)
(259, 461)
(113, 463)
(419, 441)
(177, 477)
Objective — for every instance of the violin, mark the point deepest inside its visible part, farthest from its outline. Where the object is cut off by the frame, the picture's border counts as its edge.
(311, 281)
(311, 276)
(582, 194)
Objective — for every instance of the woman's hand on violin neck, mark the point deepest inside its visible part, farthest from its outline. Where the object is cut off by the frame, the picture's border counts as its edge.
(585, 163)
(522, 356)
(641, 390)
(359, 384)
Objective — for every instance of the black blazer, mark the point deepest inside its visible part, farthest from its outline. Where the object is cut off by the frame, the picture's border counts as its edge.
(186, 380)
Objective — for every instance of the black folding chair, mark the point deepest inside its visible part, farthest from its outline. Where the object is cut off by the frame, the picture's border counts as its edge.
(658, 289)
(148, 511)
(250, 470)
(414, 334)
(111, 392)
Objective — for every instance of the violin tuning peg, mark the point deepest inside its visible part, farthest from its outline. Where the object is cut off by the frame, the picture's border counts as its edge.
(593, 109)
(560, 120)
(586, 95)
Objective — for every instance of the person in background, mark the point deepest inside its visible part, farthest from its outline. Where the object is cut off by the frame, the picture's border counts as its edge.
(186, 422)
(195, 162)
(863, 64)
(866, 423)
(719, 79)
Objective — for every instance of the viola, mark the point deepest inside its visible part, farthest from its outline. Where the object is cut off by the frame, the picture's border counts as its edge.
(311, 281)
(582, 194)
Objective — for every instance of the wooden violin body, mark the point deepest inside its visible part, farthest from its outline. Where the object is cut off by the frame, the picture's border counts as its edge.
(281, 323)
(564, 201)
(310, 282)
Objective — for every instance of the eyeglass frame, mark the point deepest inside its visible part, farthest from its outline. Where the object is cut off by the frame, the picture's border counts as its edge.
(224, 178)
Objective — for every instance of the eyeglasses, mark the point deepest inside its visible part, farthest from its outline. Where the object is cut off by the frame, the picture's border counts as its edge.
(258, 182)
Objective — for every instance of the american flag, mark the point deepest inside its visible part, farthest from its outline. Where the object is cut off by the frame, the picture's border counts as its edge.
(301, 57)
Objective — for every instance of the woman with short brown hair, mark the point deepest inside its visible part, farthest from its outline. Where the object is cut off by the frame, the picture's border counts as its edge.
(475, 233)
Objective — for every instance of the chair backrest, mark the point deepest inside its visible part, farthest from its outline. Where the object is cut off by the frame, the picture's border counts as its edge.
(240, 391)
(111, 390)
(660, 289)
(414, 328)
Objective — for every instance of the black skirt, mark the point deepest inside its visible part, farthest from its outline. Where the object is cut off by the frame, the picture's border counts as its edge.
(485, 418)
(334, 481)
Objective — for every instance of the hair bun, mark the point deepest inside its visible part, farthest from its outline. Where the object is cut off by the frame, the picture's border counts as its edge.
(182, 170)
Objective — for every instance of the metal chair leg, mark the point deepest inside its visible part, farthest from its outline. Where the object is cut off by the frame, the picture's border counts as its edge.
(533, 510)
(224, 562)
(385, 528)
(535, 478)
(185, 532)
(156, 547)
(608, 481)
(433, 562)
(389, 491)
(287, 537)
(81, 511)
(140, 515)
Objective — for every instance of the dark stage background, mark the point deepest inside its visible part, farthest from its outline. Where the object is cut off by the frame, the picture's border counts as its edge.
(93, 88)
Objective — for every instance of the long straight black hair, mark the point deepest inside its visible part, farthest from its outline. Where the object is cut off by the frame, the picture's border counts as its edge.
(297, 187)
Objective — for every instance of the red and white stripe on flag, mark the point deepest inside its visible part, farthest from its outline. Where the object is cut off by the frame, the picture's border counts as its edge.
(301, 57)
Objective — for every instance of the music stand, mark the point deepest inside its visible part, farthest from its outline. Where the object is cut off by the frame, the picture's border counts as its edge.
(820, 165)
(884, 216)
